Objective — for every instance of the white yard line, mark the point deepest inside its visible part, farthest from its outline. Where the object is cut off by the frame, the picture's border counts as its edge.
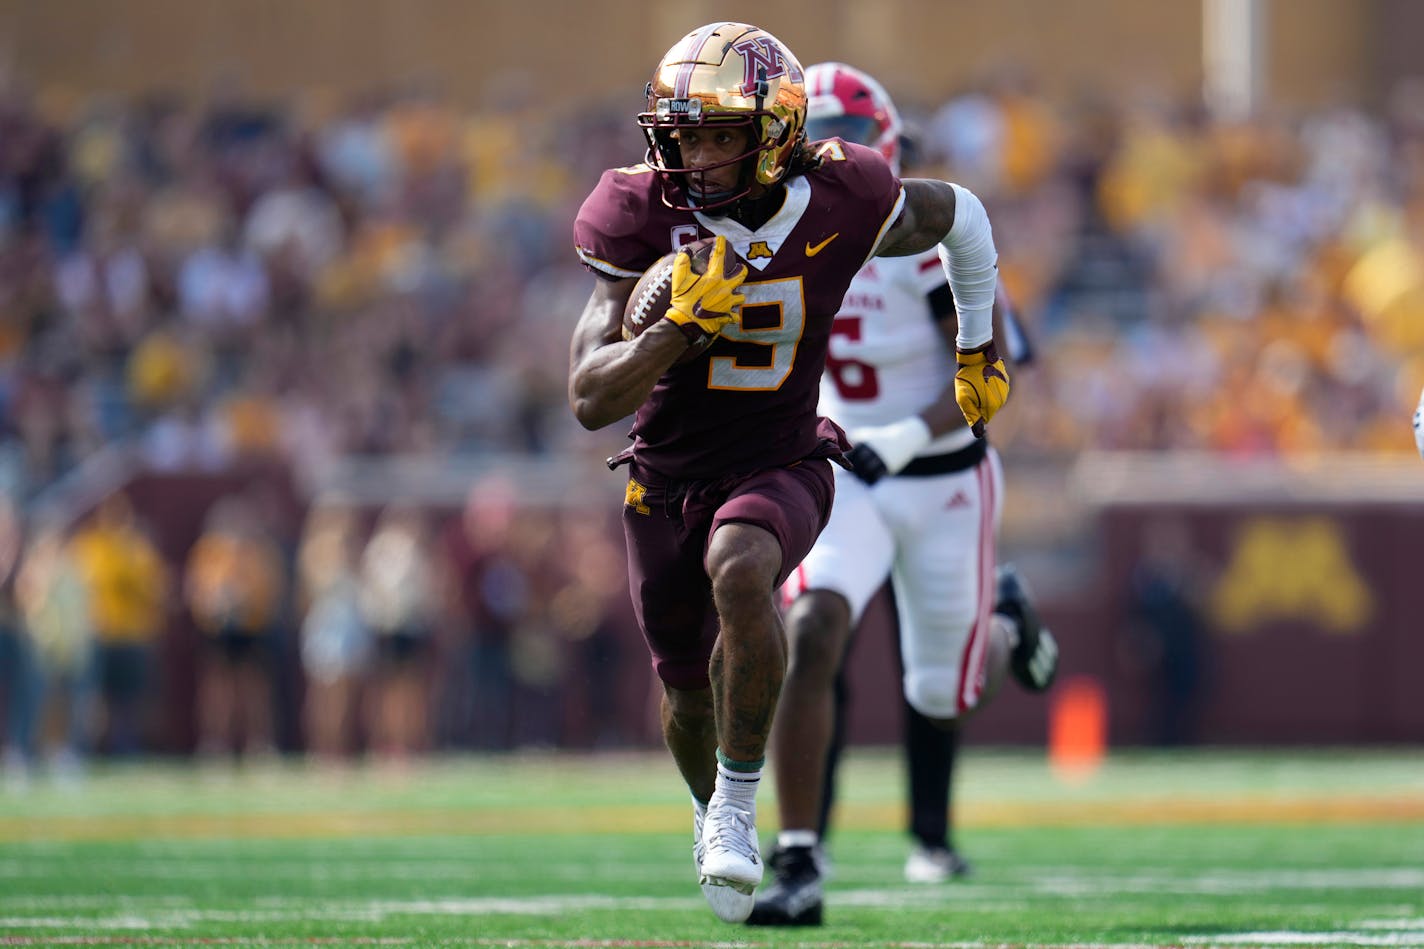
(1290, 937)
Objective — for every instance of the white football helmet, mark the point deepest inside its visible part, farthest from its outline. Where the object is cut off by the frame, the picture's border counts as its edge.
(844, 102)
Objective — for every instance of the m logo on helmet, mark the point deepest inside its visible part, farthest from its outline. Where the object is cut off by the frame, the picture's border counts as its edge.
(760, 53)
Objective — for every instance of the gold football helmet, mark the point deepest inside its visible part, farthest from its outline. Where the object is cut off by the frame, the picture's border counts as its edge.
(719, 75)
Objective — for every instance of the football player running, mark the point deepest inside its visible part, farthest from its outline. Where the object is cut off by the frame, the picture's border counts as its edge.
(919, 505)
(730, 467)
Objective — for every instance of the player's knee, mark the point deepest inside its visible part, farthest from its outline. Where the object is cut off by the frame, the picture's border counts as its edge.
(742, 565)
(817, 627)
(691, 709)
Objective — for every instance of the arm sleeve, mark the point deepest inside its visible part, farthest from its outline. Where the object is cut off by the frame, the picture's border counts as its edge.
(972, 263)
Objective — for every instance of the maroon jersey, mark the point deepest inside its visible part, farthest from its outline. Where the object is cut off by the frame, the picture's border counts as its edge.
(749, 401)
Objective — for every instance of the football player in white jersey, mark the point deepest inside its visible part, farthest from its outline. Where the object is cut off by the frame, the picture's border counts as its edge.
(920, 508)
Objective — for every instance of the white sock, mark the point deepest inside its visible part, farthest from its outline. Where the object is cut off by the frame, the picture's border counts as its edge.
(739, 787)
(797, 838)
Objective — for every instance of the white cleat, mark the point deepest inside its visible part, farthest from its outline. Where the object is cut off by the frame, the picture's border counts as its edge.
(699, 815)
(731, 866)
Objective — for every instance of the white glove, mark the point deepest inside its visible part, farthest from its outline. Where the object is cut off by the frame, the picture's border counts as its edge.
(895, 444)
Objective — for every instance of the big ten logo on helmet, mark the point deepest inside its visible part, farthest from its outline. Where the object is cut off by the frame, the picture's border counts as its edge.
(761, 53)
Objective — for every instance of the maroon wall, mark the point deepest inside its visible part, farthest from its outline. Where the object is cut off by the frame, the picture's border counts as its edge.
(1310, 634)
(1310, 631)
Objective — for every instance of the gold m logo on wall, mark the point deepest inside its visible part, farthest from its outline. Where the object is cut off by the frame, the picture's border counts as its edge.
(1292, 568)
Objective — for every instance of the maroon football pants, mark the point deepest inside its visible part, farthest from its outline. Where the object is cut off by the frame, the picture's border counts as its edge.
(668, 526)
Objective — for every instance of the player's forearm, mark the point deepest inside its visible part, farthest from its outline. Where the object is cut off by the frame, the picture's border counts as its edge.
(612, 381)
(943, 416)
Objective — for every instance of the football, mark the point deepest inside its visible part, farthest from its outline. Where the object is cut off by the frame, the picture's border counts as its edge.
(652, 295)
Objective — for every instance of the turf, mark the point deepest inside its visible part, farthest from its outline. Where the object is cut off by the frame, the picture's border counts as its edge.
(1200, 849)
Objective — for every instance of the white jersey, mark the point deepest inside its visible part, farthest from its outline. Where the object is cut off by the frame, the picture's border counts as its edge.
(888, 359)
(933, 534)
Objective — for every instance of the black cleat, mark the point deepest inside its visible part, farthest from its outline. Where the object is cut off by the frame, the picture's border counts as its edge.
(1034, 661)
(794, 897)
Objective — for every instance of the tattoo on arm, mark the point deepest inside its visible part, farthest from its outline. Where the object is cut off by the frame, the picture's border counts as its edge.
(927, 218)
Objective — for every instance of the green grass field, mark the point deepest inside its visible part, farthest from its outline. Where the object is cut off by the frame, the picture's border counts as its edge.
(1200, 849)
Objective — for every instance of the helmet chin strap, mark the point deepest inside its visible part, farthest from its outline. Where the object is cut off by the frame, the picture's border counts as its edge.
(746, 182)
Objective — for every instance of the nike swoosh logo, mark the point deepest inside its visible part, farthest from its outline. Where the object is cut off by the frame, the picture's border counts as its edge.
(813, 251)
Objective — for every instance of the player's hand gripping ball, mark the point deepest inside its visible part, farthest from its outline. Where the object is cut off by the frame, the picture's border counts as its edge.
(981, 386)
(695, 288)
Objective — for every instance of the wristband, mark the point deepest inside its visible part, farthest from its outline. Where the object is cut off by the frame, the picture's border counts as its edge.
(694, 333)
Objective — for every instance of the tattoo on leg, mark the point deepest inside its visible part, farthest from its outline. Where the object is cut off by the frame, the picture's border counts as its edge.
(744, 713)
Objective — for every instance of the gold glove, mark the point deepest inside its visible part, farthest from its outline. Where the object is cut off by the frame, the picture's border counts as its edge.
(981, 386)
(707, 301)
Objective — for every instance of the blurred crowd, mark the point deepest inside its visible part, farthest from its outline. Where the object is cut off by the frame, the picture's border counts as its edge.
(392, 632)
(215, 284)
(1248, 286)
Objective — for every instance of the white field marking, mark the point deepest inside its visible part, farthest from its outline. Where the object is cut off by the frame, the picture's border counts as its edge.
(1300, 938)
(212, 941)
(1049, 881)
(800, 944)
(174, 912)
(1415, 923)
(69, 922)
(26, 901)
(354, 912)
(530, 944)
(314, 869)
(1070, 883)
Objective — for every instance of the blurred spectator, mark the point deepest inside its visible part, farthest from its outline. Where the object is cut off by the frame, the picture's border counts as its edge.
(223, 286)
(1167, 628)
(593, 576)
(538, 655)
(490, 596)
(127, 584)
(336, 644)
(235, 587)
(399, 605)
(15, 661)
(55, 611)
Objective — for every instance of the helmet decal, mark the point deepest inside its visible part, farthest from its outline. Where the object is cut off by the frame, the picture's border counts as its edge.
(763, 60)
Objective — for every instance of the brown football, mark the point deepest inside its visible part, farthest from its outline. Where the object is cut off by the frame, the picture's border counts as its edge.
(652, 295)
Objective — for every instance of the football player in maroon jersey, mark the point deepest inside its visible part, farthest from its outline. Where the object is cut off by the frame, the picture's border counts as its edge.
(730, 467)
